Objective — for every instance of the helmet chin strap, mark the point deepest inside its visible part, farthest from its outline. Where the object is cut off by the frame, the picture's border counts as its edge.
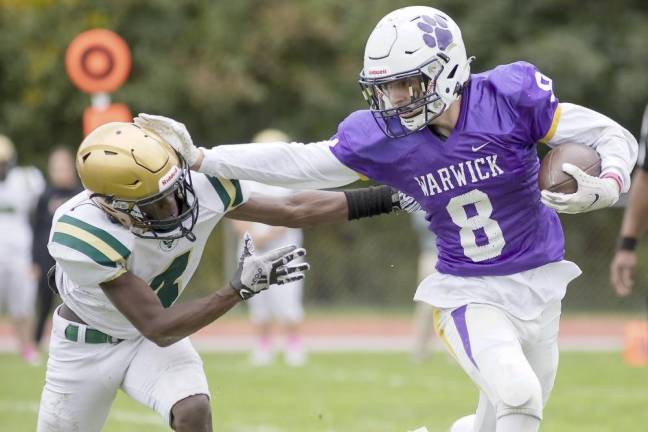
(423, 118)
(415, 122)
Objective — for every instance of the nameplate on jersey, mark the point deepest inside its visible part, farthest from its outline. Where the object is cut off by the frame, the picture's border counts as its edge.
(460, 174)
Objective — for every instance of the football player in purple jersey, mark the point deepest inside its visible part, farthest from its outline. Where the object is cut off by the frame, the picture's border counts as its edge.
(464, 146)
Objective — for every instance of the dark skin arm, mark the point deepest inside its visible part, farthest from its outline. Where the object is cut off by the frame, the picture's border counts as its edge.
(298, 210)
(635, 224)
(135, 299)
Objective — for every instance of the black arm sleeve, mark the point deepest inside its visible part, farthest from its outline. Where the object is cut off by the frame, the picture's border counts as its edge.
(369, 201)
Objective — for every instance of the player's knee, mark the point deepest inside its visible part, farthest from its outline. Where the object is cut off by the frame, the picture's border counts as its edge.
(519, 388)
(192, 414)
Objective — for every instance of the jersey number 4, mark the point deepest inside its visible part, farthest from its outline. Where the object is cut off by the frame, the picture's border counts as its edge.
(481, 220)
(166, 283)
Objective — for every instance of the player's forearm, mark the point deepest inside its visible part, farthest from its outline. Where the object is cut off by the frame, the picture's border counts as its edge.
(635, 218)
(317, 207)
(291, 165)
(183, 319)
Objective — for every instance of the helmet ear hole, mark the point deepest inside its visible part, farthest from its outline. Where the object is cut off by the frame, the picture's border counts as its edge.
(453, 72)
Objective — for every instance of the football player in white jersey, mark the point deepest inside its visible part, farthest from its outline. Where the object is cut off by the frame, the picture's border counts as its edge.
(20, 188)
(126, 247)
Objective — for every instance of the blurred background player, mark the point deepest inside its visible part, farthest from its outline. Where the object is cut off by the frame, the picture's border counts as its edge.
(423, 325)
(635, 221)
(19, 191)
(63, 184)
(284, 305)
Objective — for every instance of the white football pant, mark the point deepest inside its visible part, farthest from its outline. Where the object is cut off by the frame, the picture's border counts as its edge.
(512, 362)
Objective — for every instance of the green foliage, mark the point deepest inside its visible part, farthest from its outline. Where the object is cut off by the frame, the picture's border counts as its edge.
(228, 69)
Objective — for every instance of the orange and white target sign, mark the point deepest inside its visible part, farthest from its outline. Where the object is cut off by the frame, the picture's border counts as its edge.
(98, 61)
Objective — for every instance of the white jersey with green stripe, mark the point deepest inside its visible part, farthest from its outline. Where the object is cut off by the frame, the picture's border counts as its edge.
(90, 248)
(19, 192)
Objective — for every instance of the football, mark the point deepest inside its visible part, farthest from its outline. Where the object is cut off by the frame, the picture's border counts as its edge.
(551, 176)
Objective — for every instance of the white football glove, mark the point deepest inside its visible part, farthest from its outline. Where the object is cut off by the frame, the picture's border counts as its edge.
(593, 193)
(171, 131)
(256, 273)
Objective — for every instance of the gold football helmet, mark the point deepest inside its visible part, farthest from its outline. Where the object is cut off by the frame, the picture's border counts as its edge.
(139, 180)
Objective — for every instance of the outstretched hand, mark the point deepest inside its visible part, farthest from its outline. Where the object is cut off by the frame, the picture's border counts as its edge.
(256, 273)
(174, 133)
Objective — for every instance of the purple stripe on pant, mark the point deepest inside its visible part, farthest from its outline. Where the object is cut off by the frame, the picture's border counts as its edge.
(459, 318)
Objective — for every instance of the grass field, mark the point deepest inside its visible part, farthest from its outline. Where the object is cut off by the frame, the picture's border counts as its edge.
(360, 392)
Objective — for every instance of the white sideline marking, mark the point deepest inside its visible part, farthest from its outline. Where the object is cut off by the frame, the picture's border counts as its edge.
(121, 416)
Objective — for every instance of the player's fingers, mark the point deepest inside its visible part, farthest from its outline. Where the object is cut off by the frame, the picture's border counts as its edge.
(139, 122)
(573, 170)
(620, 289)
(276, 255)
(555, 197)
(626, 280)
(615, 277)
(286, 270)
(292, 278)
(248, 245)
(558, 206)
(153, 118)
(288, 257)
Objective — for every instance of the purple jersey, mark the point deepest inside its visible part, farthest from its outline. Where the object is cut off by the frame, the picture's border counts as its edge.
(479, 187)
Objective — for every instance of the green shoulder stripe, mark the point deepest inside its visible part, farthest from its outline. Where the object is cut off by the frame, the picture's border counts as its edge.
(238, 198)
(229, 191)
(220, 189)
(83, 247)
(100, 234)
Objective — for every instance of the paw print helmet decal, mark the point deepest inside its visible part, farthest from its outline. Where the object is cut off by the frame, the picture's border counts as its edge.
(415, 67)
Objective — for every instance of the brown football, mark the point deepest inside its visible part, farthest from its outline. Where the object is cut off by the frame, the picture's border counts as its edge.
(551, 175)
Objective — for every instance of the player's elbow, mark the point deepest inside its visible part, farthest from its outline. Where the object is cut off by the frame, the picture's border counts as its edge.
(156, 334)
(160, 340)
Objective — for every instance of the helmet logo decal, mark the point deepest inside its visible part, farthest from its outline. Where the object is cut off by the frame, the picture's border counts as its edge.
(435, 32)
(169, 177)
(383, 70)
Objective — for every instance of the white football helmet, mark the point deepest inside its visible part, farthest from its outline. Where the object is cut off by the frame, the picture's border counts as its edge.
(419, 50)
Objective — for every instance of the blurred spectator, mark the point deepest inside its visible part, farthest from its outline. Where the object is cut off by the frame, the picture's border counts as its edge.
(19, 191)
(63, 185)
(635, 221)
(284, 303)
(427, 260)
